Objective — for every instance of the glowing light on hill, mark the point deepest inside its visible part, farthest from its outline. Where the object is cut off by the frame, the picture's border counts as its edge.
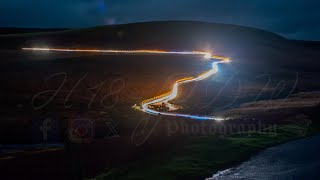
(207, 56)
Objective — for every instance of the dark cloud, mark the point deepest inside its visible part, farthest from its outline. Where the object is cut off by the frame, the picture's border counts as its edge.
(297, 19)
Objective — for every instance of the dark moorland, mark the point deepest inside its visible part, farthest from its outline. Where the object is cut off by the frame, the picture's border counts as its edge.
(271, 81)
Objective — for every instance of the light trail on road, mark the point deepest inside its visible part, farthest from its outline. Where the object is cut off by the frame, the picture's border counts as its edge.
(164, 98)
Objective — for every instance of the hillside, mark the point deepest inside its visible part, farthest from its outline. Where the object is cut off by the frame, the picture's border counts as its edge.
(264, 66)
(13, 30)
(238, 42)
(269, 80)
(163, 35)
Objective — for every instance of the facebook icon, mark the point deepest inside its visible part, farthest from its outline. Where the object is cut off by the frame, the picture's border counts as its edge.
(46, 130)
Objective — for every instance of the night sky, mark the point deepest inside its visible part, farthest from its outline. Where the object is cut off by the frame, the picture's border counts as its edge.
(295, 19)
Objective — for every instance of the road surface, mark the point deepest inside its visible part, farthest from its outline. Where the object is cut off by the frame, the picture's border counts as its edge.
(164, 98)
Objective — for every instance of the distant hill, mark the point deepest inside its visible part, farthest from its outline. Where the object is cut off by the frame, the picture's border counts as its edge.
(243, 44)
(163, 34)
(13, 30)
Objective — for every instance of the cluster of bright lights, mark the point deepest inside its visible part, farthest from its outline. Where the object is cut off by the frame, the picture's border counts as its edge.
(164, 98)
(207, 56)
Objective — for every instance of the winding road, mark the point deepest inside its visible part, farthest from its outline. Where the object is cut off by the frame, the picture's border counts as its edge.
(164, 98)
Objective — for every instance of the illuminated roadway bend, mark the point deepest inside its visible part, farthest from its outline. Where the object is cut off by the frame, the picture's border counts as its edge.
(167, 96)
